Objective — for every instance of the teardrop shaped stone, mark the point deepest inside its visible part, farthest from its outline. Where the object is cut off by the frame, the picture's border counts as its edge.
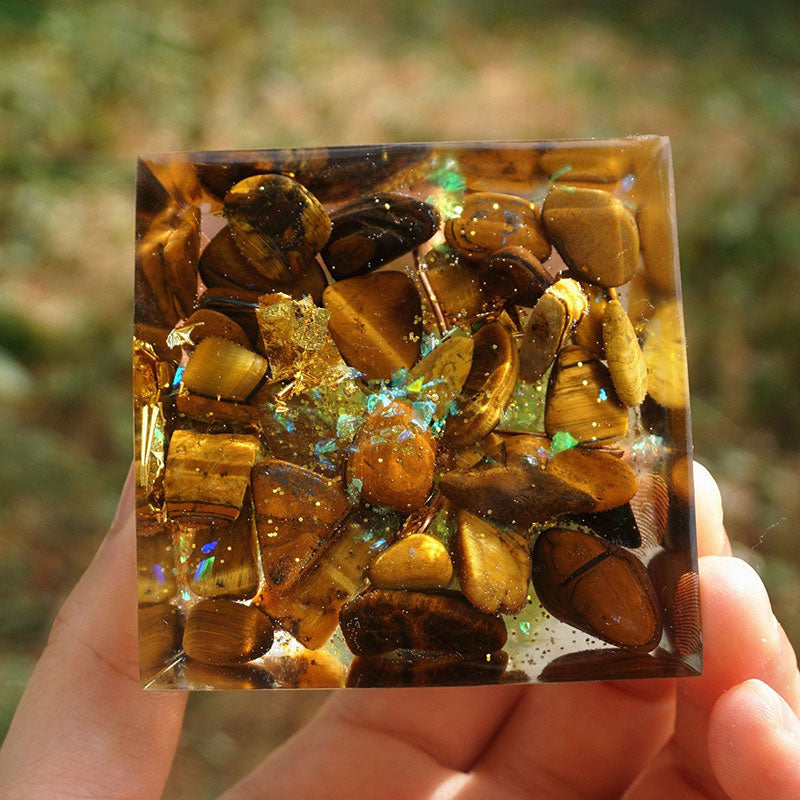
(494, 564)
(626, 361)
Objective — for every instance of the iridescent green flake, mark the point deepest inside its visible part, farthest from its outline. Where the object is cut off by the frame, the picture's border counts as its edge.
(562, 440)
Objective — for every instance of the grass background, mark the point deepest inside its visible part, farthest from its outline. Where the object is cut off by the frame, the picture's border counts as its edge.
(85, 87)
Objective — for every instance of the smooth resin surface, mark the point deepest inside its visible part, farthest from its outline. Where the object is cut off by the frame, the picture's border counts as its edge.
(412, 415)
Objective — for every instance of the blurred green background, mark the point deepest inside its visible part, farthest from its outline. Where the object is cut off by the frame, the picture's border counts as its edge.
(85, 87)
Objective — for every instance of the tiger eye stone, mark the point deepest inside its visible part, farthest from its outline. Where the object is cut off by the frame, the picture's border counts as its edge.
(297, 512)
(277, 224)
(375, 230)
(581, 399)
(159, 638)
(626, 362)
(309, 610)
(393, 458)
(375, 321)
(207, 475)
(223, 266)
(594, 233)
(417, 562)
(221, 560)
(455, 285)
(383, 620)
(523, 484)
(514, 273)
(494, 564)
(488, 388)
(596, 587)
(552, 320)
(441, 375)
(224, 632)
(205, 323)
(490, 221)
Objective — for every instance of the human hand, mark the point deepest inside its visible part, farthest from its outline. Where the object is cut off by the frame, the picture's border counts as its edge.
(85, 729)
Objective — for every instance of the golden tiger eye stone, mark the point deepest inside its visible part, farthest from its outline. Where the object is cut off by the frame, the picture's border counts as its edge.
(297, 512)
(490, 221)
(393, 459)
(417, 561)
(594, 233)
(376, 322)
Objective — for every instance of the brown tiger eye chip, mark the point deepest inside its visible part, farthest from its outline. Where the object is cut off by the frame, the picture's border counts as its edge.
(297, 512)
(490, 221)
(417, 562)
(494, 564)
(455, 285)
(221, 560)
(665, 354)
(224, 632)
(376, 322)
(626, 361)
(155, 568)
(210, 676)
(549, 326)
(594, 233)
(393, 458)
(413, 668)
(524, 485)
(221, 368)
(375, 230)
(277, 224)
(205, 323)
(581, 399)
(588, 332)
(597, 587)
(207, 474)
(216, 414)
(488, 388)
(309, 610)
(223, 266)
(515, 274)
(441, 375)
(238, 304)
(384, 620)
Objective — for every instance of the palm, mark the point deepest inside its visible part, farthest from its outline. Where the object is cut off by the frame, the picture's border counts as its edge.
(716, 736)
